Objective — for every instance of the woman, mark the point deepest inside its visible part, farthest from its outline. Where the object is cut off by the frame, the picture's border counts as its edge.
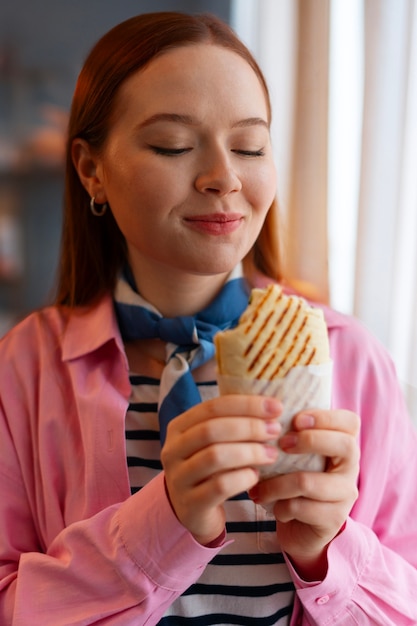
(123, 504)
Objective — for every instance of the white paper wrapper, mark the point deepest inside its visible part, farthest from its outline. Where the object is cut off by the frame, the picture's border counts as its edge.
(304, 387)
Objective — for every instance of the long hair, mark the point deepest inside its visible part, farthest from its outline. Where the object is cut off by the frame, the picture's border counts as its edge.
(93, 250)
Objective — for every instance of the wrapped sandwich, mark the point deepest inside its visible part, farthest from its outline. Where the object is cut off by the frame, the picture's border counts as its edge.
(279, 348)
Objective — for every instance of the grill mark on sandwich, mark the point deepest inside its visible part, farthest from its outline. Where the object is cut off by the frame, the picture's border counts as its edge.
(256, 315)
(313, 352)
(299, 358)
(291, 323)
(285, 311)
(250, 346)
(265, 367)
(270, 337)
(259, 353)
(285, 357)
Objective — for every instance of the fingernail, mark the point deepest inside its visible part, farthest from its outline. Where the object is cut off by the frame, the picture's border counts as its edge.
(273, 428)
(288, 441)
(305, 421)
(272, 406)
(271, 452)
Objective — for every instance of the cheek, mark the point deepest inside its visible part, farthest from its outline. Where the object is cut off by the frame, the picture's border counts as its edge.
(141, 210)
(155, 189)
(262, 189)
(132, 194)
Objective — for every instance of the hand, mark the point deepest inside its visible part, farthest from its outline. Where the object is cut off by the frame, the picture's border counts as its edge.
(311, 507)
(212, 452)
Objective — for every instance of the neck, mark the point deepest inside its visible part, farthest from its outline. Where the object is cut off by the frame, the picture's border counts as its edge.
(176, 293)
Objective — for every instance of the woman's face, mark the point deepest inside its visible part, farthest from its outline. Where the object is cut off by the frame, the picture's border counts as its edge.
(187, 167)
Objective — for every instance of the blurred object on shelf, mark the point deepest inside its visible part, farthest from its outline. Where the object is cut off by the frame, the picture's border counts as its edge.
(44, 145)
(33, 120)
(8, 75)
(11, 262)
(11, 251)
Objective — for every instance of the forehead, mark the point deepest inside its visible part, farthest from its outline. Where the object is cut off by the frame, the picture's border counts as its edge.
(202, 75)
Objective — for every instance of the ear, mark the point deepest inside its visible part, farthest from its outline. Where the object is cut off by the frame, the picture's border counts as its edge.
(89, 169)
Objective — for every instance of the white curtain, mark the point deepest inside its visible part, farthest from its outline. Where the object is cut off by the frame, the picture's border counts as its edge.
(290, 40)
(386, 262)
(343, 78)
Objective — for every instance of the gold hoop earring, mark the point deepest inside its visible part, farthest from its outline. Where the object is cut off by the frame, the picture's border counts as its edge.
(97, 209)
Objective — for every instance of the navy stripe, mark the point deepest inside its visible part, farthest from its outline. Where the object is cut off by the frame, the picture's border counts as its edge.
(142, 435)
(240, 591)
(135, 379)
(134, 461)
(143, 407)
(249, 559)
(240, 496)
(225, 618)
(250, 527)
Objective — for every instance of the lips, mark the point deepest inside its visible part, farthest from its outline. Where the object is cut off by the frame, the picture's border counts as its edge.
(215, 223)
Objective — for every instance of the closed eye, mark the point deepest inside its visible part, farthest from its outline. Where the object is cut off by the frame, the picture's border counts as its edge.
(169, 151)
(250, 153)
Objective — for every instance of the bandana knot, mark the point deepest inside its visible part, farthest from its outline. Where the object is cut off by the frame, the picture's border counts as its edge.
(189, 339)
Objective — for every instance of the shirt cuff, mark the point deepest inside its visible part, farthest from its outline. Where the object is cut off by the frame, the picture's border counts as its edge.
(347, 555)
(158, 543)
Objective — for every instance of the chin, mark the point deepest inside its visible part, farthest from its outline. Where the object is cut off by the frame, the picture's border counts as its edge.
(216, 260)
(215, 265)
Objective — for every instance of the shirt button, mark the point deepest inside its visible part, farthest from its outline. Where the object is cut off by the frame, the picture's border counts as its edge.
(323, 599)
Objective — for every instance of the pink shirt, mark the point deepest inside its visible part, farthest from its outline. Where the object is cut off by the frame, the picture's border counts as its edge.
(76, 548)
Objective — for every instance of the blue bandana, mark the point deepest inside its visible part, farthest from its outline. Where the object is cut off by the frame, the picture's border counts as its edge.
(189, 338)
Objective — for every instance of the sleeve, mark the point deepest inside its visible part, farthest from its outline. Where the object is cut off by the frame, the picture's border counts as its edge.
(372, 572)
(126, 559)
(125, 565)
(367, 584)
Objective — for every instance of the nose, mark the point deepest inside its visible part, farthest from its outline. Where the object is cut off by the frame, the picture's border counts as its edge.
(217, 175)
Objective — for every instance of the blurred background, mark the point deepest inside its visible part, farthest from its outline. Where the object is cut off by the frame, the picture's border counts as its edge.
(343, 82)
(42, 47)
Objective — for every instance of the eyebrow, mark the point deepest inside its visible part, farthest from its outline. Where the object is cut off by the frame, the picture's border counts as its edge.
(251, 121)
(188, 120)
(169, 117)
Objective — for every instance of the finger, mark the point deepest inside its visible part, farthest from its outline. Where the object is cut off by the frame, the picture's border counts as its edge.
(320, 515)
(227, 430)
(221, 458)
(342, 448)
(231, 405)
(223, 486)
(338, 420)
(313, 486)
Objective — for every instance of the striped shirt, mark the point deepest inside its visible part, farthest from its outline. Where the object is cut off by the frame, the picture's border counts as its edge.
(248, 582)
